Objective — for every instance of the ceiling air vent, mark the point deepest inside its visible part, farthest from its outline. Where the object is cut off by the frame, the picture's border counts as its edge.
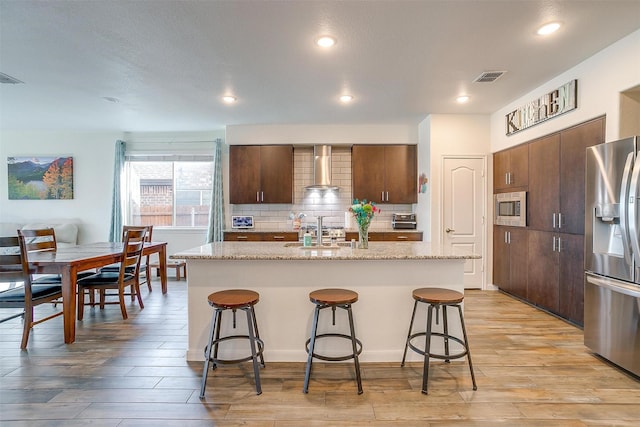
(6, 79)
(489, 76)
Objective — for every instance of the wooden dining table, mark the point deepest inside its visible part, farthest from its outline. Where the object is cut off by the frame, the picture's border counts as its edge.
(69, 261)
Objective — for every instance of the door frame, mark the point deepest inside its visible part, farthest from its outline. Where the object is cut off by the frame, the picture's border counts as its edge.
(485, 220)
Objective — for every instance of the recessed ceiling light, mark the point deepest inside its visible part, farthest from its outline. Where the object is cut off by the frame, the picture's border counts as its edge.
(229, 99)
(326, 41)
(547, 29)
(462, 99)
(346, 98)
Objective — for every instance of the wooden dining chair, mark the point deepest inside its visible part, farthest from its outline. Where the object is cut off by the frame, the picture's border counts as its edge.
(44, 240)
(145, 264)
(41, 240)
(14, 268)
(125, 277)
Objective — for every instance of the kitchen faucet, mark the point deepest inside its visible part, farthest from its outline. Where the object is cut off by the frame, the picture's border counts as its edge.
(319, 231)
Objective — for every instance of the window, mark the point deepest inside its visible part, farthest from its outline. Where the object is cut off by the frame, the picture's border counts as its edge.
(169, 190)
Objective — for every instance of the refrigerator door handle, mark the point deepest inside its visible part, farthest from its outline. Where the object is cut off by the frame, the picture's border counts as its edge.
(624, 201)
(632, 219)
(614, 285)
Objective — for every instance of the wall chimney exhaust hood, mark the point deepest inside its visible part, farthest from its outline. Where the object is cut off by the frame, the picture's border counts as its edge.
(322, 169)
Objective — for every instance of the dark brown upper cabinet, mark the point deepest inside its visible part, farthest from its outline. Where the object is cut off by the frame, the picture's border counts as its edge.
(260, 174)
(511, 168)
(385, 173)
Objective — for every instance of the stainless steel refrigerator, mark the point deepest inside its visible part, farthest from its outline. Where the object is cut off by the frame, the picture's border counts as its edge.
(612, 252)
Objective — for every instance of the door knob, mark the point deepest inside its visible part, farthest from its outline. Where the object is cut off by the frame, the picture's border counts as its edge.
(449, 230)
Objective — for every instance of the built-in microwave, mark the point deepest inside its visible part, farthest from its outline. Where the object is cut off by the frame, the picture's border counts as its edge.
(510, 209)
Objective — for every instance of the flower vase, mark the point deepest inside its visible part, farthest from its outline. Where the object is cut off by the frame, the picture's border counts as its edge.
(363, 236)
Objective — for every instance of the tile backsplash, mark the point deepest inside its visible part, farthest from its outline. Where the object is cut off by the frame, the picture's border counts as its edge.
(332, 205)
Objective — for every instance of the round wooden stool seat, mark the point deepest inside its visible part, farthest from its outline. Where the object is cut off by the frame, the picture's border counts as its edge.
(233, 298)
(333, 296)
(437, 296)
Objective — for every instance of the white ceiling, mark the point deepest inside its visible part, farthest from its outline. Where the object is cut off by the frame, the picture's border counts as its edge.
(169, 62)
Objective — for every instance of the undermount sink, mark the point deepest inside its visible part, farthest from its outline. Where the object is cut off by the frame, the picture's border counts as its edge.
(314, 246)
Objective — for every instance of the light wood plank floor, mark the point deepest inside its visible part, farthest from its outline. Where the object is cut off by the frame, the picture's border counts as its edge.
(532, 370)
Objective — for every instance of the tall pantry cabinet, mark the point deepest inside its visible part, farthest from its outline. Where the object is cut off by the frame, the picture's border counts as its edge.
(555, 221)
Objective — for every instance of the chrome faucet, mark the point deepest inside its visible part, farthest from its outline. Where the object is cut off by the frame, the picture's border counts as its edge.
(319, 231)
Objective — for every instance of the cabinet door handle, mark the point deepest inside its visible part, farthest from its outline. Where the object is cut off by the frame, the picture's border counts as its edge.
(241, 237)
(559, 245)
(402, 237)
(509, 237)
(258, 196)
(559, 222)
(278, 237)
(554, 220)
(387, 196)
(506, 177)
(506, 239)
(262, 196)
(554, 244)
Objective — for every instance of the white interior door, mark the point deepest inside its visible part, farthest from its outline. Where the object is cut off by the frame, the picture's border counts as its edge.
(464, 213)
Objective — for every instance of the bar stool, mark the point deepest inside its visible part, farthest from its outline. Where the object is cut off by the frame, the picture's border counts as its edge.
(436, 298)
(333, 298)
(234, 299)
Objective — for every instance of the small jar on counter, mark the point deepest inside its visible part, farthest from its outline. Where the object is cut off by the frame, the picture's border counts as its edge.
(306, 239)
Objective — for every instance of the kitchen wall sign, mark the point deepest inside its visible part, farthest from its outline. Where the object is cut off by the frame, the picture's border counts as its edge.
(552, 104)
(40, 178)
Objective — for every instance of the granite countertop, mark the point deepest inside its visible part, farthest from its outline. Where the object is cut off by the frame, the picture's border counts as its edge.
(347, 230)
(292, 251)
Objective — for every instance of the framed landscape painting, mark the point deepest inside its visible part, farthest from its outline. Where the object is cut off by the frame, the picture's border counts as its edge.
(40, 178)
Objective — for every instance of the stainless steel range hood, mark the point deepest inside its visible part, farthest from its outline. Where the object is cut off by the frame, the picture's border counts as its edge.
(322, 169)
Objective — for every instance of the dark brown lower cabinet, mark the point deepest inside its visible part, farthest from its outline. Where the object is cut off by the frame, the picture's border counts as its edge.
(510, 254)
(571, 280)
(543, 270)
(381, 236)
(257, 236)
(556, 273)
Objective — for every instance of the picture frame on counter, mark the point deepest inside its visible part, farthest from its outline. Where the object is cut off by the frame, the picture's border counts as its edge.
(241, 221)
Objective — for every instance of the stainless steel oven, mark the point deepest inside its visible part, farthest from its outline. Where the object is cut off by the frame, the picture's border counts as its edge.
(510, 209)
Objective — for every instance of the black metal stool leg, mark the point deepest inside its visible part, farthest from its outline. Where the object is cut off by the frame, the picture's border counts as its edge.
(466, 344)
(427, 349)
(446, 332)
(406, 346)
(207, 356)
(218, 315)
(312, 342)
(255, 327)
(252, 344)
(355, 349)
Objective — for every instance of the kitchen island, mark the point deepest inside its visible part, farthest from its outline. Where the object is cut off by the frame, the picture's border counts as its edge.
(284, 273)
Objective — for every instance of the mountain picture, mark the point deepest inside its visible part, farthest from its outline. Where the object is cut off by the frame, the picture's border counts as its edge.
(40, 178)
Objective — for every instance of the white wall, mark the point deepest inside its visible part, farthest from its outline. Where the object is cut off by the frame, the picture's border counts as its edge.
(601, 78)
(450, 134)
(92, 154)
(322, 134)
